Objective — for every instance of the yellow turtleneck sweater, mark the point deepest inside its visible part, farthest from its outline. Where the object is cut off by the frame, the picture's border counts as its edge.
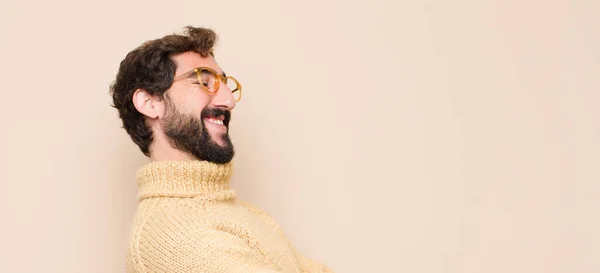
(188, 220)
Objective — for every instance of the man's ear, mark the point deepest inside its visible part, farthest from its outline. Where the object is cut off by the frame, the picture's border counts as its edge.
(150, 106)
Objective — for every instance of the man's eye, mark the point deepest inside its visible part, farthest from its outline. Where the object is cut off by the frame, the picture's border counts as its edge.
(204, 83)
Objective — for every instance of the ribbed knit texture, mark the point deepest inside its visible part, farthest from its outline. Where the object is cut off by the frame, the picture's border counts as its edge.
(189, 220)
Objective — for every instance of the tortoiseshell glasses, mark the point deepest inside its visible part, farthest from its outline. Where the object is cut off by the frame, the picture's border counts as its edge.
(210, 81)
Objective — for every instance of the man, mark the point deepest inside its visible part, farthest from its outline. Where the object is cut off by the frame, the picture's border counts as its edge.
(175, 103)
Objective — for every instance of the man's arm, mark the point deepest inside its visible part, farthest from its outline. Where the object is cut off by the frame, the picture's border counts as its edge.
(308, 265)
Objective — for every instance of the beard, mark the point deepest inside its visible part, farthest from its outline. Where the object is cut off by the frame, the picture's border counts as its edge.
(188, 133)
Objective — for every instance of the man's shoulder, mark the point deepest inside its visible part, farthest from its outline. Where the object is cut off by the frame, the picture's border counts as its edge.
(169, 211)
(174, 215)
(156, 218)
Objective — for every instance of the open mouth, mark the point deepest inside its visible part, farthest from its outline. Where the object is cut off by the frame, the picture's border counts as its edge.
(216, 116)
(215, 120)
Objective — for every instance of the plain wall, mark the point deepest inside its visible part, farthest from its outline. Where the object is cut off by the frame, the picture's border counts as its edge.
(384, 136)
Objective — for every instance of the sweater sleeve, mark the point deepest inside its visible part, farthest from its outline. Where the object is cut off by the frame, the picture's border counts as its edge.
(308, 265)
(179, 246)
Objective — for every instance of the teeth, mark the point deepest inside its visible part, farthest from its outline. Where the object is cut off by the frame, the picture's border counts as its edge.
(215, 121)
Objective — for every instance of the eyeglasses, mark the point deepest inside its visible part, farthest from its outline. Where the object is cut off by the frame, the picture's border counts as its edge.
(210, 81)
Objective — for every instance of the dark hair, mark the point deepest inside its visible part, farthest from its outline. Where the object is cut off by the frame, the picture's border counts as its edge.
(151, 68)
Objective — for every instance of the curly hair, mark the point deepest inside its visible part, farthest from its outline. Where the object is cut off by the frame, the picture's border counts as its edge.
(151, 68)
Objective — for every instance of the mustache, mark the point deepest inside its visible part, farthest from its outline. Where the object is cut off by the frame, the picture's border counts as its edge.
(216, 112)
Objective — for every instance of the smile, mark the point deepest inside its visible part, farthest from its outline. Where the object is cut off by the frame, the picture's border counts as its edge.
(214, 121)
(216, 118)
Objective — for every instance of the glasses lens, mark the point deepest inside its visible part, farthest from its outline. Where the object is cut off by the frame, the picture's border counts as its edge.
(235, 88)
(207, 78)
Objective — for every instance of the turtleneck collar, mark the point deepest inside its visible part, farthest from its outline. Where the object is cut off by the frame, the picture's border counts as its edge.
(182, 178)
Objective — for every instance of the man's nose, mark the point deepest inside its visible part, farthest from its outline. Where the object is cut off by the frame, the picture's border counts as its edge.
(223, 98)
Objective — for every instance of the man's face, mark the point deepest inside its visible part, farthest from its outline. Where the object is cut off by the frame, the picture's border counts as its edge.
(197, 122)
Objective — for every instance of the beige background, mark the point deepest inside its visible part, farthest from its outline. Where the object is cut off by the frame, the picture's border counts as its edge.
(384, 136)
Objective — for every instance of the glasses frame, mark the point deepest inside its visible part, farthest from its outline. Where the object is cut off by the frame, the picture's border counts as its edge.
(220, 78)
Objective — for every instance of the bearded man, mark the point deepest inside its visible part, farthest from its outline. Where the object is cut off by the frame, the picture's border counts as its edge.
(176, 103)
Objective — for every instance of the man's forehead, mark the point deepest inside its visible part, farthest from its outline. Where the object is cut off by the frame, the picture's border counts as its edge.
(190, 60)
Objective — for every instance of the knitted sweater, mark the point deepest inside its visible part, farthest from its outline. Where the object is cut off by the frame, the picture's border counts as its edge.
(189, 220)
